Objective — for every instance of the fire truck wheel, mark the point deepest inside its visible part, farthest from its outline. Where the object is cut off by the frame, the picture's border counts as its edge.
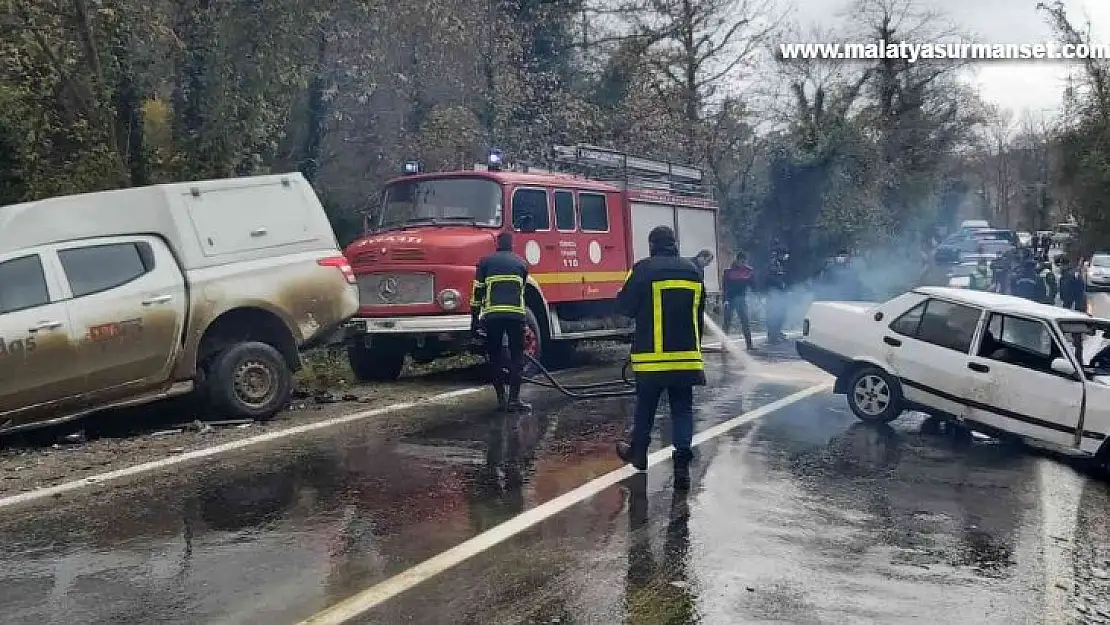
(535, 342)
(381, 362)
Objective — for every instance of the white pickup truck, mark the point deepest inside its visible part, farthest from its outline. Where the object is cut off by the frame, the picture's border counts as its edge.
(125, 297)
(1000, 364)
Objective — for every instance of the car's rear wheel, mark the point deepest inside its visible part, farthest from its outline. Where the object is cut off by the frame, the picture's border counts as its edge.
(874, 396)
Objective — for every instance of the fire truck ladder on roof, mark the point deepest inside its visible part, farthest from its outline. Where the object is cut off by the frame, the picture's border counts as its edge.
(631, 172)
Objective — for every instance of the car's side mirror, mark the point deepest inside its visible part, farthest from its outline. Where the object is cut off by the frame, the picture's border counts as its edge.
(1064, 367)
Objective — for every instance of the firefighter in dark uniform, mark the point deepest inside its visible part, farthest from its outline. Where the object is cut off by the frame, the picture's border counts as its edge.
(665, 295)
(497, 308)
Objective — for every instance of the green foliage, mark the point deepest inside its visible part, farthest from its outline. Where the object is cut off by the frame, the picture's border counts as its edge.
(1085, 141)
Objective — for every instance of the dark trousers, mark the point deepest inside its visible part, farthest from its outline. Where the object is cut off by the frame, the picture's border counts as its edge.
(496, 331)
(776, 314)
(738, 304)
(682, 417)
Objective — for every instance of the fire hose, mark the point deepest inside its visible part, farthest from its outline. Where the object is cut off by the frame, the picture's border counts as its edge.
(574, 391)
(587, 391)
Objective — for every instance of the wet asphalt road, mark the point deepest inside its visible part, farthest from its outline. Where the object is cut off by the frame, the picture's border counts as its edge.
(802, 516)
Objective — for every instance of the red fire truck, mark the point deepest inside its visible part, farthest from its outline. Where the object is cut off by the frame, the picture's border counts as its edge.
(580, 223)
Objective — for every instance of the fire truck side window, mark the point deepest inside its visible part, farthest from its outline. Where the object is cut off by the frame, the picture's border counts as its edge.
(593, 212)
(531, 202)
(564, 211)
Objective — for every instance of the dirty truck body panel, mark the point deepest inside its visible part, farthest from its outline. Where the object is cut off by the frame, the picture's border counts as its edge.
(106, 298)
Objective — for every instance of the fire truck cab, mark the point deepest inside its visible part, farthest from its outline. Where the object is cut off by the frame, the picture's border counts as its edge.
(580, 224)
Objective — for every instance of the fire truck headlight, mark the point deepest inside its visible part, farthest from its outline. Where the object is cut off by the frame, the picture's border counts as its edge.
(448, 299)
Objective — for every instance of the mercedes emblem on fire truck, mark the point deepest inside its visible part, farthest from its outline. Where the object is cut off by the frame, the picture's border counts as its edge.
(387, 289)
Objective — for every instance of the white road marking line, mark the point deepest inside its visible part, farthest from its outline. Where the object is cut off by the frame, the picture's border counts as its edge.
(381, 592)
(1060, 488)
(110, 476)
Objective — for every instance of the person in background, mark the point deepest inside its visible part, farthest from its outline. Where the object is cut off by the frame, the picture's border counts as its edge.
(702, 260)
(1051, 284)
(1073, 291)
(665, 295)
(776, 296)
(1000, 270)
(497, 307)
(738, 281)
(981, 276)
(1027, 283)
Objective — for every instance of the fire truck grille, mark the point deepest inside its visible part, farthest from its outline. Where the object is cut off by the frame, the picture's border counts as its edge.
(408, 254)
(396, 289)
(366, 257)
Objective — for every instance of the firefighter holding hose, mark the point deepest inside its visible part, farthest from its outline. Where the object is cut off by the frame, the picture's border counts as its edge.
(665, 295)
(497, 308)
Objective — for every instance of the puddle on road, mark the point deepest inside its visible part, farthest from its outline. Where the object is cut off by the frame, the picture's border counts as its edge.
(807, 516)
(274, 534)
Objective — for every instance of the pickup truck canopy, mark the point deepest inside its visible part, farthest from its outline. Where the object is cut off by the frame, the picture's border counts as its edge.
(196, 219)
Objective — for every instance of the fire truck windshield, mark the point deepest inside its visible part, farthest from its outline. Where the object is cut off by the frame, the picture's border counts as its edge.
(473, 201)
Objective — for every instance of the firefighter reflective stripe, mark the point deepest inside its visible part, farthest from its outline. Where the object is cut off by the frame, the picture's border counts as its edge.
(513, 307)
(477, 293)
(656, 367)
(664, 356)
(659, 360)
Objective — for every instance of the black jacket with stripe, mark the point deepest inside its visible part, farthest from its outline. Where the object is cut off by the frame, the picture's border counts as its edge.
(498, 291)
(665, 295)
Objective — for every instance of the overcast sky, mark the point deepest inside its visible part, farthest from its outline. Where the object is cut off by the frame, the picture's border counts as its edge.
(1016, 85)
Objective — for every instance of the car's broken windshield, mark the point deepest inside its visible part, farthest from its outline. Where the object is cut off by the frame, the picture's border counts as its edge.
(1090, 342)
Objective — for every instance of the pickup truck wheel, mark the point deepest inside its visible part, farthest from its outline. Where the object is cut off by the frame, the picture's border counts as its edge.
(381, 362)
(250, 380)
(874, 396)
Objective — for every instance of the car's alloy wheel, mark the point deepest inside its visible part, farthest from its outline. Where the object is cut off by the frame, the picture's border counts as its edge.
(872, 394)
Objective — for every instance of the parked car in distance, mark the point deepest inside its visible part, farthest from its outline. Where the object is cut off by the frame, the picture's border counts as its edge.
(974, 224)
(961, 247)
(999, 364)
(948, 251)
(996, 234)
(125, 297)
(1098, 272)
(959, 276)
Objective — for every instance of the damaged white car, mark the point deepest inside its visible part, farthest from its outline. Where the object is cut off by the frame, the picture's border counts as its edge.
(999, 364)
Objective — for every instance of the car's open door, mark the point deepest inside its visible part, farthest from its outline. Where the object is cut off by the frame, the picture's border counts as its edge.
(1013, 386)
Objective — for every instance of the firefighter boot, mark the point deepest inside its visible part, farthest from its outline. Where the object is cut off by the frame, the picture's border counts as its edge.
(502, 403)
(637, 460)
(515, 405)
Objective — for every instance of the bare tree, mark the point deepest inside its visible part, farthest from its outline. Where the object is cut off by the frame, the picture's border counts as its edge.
(694, 47)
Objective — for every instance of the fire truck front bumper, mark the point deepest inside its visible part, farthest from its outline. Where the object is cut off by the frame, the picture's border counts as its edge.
(422, 325)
